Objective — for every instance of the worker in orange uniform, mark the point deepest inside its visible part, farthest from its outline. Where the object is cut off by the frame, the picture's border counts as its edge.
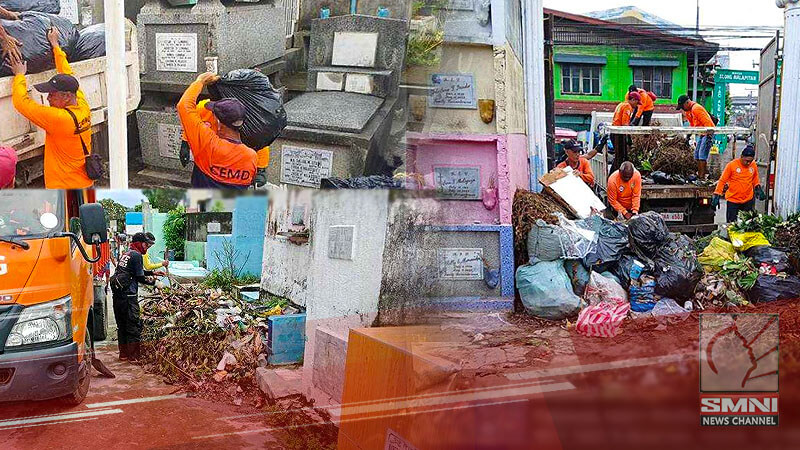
(578, 163)
(623, 116)
(741, 177)
(644, 113)
(209, 120)
(67, 122)
(625, 190)
(221, 160)
(698, 117)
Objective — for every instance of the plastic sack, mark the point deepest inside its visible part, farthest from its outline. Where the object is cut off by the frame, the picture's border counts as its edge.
(661, 178)
(764, 254)
(91, 43)
(265, 117)
(677, 271)
(611, 242)
(370, 182)
(546, 291)
(622, 269)
(743, 241)
(31, 31)
(647, 233)
(642, 294)
(769, 288)
(611, 276)
(578, 242)
(42, 6)
(604, 289)
(544, 242)
(602, 320)
(667, 310)
(716, 254)
(578, 275)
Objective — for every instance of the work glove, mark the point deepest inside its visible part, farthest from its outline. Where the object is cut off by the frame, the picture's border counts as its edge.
(261, 178)
(185, 154)
(759, 193)
(715, 201)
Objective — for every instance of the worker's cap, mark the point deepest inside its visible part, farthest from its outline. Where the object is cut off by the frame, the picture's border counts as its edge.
(8, 167)
(59, 83)
(150, 236)
(571, 145)
(681, 101)
(143, 237)
(229, 111)
(749, 151)
(634, 96)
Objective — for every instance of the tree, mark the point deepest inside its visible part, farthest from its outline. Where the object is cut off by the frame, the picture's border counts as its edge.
(137, 208)
(114, 211)
(164, 199)
(175, 231)
(728, 106)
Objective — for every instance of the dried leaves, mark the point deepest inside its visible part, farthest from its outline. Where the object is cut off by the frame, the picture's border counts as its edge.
(527, 208)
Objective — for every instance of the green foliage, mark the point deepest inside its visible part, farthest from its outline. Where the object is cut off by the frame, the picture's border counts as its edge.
(753, 221)
(742, 272)
(218, 206)
(226, 279)
(175, 231)
(114, 211)
(164, 199)
(421, 48)
(137, 208)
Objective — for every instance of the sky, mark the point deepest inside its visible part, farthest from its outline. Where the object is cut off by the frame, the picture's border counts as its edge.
(753, 13)
(128, 197)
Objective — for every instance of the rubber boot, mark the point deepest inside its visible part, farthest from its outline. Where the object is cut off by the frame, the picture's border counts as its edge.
(701, 169)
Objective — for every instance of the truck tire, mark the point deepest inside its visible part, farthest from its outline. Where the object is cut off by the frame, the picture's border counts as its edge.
(84, 370)
(100, 317)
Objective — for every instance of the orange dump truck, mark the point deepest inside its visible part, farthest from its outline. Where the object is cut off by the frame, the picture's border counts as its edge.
(46, 293)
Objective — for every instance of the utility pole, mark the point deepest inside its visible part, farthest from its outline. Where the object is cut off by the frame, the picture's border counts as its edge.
(697, 35)
(116, 92)
(533, 48)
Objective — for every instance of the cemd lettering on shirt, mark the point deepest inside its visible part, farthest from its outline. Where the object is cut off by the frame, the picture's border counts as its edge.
(230, 174)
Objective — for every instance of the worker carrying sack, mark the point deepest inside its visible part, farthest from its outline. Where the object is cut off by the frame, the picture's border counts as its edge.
(31, 32)
(42, 6)
(91, 43)
(264, 117)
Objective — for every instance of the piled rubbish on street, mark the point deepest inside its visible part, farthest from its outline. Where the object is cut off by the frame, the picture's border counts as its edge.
(665, 160)
(196, 334)
(604, 271)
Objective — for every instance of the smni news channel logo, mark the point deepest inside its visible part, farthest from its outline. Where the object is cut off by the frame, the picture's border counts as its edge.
(739, 369)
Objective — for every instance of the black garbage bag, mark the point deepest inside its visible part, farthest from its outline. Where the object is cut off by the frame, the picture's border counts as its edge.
(43, 6)
(769, 255)
(31, 31)
(612, 242)
(370, 182)
(769, 288)
(676, 268)
(91, 43)
(647, 233)
(660, 177)
(622, 269)
(265, 117)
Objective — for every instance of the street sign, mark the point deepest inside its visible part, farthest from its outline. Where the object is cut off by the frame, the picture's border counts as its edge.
(736, 76)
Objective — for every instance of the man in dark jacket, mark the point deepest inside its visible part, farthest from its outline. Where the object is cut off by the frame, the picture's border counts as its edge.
(125, 288)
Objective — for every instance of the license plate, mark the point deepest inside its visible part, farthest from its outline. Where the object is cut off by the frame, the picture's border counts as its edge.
(672, 217)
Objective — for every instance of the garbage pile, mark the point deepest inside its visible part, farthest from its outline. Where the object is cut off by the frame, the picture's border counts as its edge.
(665, 160)
(31, 32)
(526, 209)
(196, 334)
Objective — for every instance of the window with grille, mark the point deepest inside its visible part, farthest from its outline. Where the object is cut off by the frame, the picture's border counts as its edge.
(655, 79)
(580, 79)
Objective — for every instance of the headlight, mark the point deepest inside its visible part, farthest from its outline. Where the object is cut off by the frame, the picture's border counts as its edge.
(47, 322)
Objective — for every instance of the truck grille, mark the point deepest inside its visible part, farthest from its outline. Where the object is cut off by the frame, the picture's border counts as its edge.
(5, 375)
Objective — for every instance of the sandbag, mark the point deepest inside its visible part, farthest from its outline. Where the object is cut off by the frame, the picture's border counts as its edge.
(31, 31)
(265, 117)
(764, 254)
(677, 271)
(611, 242)
(647, 233)
(578, 276)
(716, 253)
(42, 6)
(91, 43)
(769, 288)
(546, 291)
(743, 240)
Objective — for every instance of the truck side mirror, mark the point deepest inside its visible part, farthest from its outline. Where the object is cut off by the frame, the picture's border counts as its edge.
(93, 223)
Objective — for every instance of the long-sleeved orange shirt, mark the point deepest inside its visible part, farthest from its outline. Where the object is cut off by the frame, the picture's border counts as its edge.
(698, 116)
(208, 118)
(584, 170)
(741, 181)
(645, 104)
(625, 196)
(622, 115)
(64, 161)
(224, 162)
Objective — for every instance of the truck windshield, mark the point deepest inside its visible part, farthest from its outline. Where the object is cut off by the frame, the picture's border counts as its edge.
(30, 213)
